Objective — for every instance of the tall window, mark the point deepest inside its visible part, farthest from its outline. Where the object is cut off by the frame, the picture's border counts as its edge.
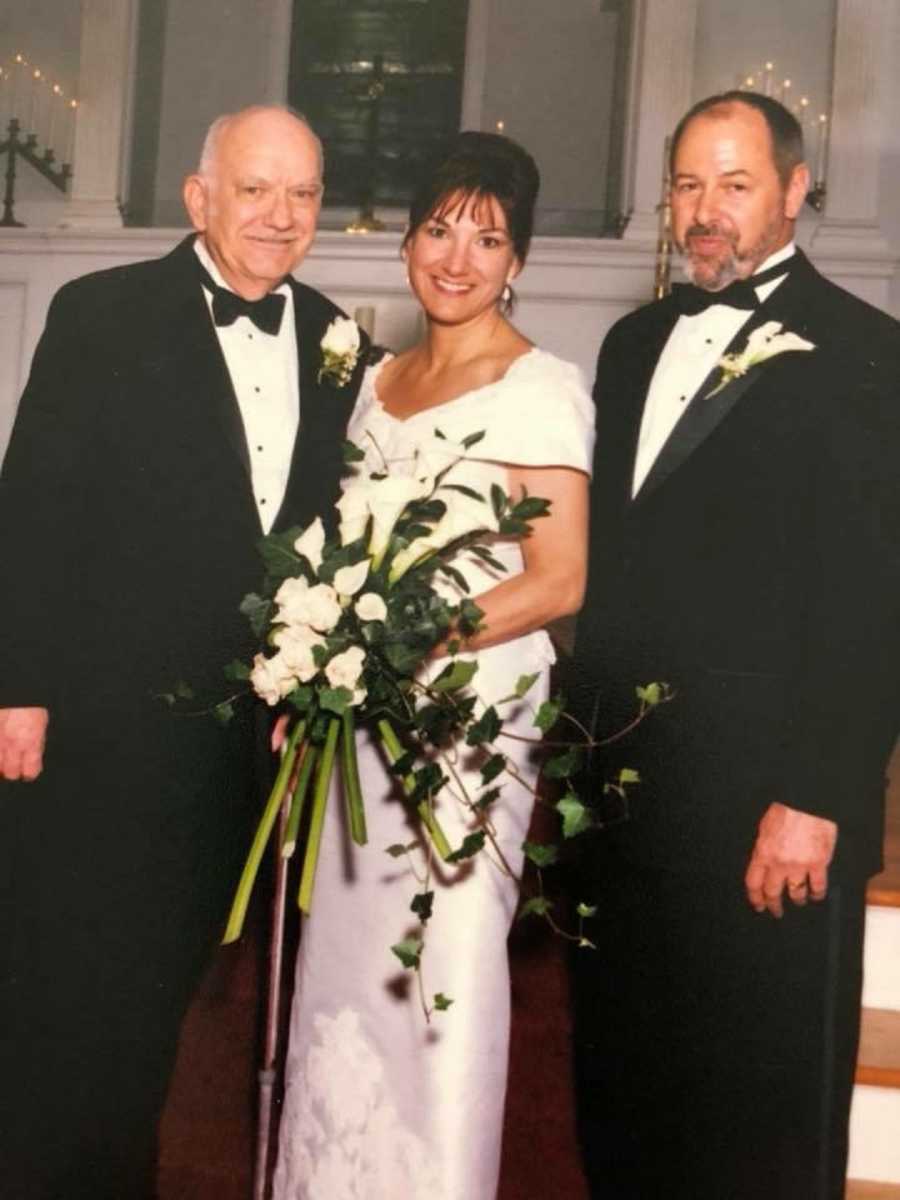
(381, 82)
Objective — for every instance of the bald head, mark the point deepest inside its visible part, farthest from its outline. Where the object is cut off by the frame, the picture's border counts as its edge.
(256, 195)
(230, 123)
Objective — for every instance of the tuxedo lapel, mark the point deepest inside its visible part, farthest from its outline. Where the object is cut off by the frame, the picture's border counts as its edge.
(706, 411)
(198, 365)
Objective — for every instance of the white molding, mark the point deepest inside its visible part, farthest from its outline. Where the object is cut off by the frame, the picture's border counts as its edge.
(475, 70)
(664, 58)
(851, 223)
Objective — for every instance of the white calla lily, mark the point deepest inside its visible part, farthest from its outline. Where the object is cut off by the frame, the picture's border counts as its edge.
(348, 580)
(311, 542)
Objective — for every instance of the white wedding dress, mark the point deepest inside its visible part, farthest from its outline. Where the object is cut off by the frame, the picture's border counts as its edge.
(379, 1103)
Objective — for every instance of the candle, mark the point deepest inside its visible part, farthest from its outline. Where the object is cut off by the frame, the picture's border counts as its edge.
(501, 125)
(821, 149)
(20, 82)
(36, 91)
(56, 100)
(72, 114)
(770, 67)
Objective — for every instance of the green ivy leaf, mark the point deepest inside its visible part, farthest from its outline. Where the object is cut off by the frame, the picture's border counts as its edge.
(351, 452)
(236, 671)
(256, 609)
(184, 691)
(547, 715)
(586, 944)
(486, 799)
(301, 697)
(456, 675)
(494, 766)
(469, 617)
(561, 766)
(485, 729)
(472, 843)
(628, 775)
(409, 951)
(541, 855)
(396, 850)
(530, 507)
(335, 700)
(586, 910)
(422, 904)
(441, 1002)
(537, 906)
(463, 491)
(473, 439)
(224, 712)
(498, 500)
(524, 684)
(576, 818)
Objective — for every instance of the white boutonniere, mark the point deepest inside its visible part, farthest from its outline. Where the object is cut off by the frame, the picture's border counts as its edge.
(340, 351)
(763, 343)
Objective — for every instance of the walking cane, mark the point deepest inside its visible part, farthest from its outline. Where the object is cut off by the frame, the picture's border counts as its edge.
(268, 1072)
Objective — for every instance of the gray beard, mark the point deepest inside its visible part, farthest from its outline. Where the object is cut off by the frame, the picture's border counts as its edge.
(735, 266)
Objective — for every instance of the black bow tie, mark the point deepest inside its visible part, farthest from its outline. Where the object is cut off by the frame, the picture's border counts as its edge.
(227, 306)
(691, 300)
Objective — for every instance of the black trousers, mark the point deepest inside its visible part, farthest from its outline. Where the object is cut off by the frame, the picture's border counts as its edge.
(118, 866)
(715, 1047)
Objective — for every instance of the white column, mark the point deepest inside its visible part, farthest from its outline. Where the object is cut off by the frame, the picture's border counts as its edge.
(104, 82)
(280, 15)
(850, 226)
(662, 75)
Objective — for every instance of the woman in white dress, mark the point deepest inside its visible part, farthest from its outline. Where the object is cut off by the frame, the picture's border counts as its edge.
(381, 1104)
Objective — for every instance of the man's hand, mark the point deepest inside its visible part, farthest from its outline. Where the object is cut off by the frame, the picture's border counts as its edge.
(793, 850)
(23, 732)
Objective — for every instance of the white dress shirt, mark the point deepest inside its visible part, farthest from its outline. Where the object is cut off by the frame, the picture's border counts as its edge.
(263, 370)
(694, 347)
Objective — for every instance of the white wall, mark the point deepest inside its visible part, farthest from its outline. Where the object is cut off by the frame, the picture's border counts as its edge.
(216, 58)
(550, 78)
(734, 36)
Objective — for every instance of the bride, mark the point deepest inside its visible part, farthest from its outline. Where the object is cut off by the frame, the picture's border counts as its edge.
(381, 1104)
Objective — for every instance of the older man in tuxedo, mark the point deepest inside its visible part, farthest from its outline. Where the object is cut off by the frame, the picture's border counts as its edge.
(745, 551)
(173, 414)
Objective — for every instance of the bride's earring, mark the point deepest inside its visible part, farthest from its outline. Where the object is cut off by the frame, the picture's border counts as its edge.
(506, 295)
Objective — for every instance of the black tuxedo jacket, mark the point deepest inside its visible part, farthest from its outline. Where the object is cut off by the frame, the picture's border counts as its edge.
(757, 572)
(128, 529)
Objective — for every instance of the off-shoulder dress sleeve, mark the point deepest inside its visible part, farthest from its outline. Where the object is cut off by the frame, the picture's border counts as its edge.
(541, 415)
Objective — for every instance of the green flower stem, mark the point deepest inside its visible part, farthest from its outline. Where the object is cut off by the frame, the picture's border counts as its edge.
(289, 841)
(356, 813)
(317, 818)
(235, 924)
(394, 750)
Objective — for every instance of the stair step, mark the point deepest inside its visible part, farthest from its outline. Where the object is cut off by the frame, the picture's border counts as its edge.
(878, 1064)
(864, 1189)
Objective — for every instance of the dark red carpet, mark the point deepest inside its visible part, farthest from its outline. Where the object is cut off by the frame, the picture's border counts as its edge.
(208, 1127)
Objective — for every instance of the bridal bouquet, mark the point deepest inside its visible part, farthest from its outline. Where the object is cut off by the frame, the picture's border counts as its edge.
(348, 624)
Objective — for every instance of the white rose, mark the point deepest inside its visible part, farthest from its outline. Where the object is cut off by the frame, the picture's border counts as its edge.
(353, 508)
(300, 604)
(271, 678)
(348, 580)
(371, 607)
(311, 542)
(387, 498)
(345, 669)
(295, 643)
(341, 337)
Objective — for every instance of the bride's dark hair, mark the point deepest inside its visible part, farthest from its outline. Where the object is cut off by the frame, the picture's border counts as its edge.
(479, 166)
